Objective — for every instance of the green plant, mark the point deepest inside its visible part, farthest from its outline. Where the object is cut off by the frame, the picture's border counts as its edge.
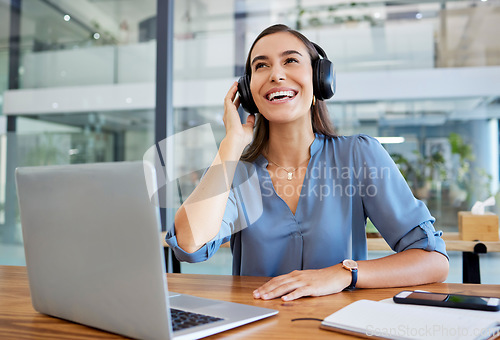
(314, 16)
(419, 172)
(466, 157)
(459, 147)
(370, 227)
(47, 150)
(472, 182)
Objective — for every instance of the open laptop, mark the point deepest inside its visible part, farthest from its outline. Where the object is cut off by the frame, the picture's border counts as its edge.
(94, 254)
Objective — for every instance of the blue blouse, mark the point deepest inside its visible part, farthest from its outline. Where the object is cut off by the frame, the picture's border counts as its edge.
(348, 180)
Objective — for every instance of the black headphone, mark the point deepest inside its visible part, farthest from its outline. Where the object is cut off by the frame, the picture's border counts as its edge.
(323, 82)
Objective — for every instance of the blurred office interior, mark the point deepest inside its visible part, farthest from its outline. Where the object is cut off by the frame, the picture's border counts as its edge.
(78, 85)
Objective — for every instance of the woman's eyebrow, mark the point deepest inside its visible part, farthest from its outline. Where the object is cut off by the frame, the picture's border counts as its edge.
(288, 52)
(259, 57)
(285, 53)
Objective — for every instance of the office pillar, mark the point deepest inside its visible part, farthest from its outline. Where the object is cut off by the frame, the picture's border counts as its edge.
(118, 146)
(164, 112)
(441, 57)
(494, 168)
(485, 145)
(11, 234)
(240, 16)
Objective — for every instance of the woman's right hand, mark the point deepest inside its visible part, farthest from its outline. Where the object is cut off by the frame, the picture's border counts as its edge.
(234, 129)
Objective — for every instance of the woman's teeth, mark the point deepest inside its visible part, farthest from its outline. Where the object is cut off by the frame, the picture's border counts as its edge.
(280, 95)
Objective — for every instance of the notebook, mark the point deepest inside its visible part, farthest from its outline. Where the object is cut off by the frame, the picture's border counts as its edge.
(94, 254)
(387, 320)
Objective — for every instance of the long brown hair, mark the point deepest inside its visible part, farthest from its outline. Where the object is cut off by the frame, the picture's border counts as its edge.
(321, 123)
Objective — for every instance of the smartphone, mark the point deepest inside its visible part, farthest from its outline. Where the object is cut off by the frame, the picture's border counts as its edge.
(448, 300)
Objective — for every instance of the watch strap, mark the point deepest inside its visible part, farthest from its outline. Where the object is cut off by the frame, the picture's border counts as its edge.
(354, 274)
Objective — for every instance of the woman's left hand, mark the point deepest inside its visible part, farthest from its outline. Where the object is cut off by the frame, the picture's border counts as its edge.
(299, 283)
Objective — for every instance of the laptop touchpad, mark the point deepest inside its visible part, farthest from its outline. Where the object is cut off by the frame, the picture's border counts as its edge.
(190, 302)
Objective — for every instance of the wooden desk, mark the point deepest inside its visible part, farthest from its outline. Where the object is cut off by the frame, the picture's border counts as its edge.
(18, 320)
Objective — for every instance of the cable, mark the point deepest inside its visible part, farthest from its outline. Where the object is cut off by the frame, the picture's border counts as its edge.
(307, 319)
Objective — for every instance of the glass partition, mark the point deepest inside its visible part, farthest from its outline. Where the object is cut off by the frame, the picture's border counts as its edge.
(79, 66)
(365, 40)
(4, 49)
(87, 83)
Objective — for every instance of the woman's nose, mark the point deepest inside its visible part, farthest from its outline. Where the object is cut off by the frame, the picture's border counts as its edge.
(277, 74)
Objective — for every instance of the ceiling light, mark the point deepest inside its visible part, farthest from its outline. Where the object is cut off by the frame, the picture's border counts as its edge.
(390, 140)
(418, 15)
(96, 36)
(67, 17)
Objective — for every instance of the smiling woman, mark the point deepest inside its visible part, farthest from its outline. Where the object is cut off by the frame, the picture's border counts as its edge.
(280, 70)
(274, 189)
(322, 79)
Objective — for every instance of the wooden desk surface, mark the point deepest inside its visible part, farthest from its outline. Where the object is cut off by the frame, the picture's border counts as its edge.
(18, 320)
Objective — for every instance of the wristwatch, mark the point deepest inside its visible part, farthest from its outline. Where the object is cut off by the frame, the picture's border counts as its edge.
(352, 266)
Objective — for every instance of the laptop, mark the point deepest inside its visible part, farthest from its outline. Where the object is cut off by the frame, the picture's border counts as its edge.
(94, 255)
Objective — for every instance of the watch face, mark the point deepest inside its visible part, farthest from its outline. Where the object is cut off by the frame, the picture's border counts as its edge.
(350, 264)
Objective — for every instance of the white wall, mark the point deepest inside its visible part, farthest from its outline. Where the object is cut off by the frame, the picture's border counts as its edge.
(448, 83)
(211, 54)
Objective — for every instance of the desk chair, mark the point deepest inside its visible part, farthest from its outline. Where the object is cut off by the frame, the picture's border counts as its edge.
(176, 265)
(168, 252)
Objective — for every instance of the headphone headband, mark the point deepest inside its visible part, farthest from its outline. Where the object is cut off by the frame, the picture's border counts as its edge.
(320, 51)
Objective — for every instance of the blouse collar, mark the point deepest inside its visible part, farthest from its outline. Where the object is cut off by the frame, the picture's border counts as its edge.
(313, 149)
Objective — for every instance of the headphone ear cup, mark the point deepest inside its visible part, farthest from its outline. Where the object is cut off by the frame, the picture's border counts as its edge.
(324, 79)
(246, 99)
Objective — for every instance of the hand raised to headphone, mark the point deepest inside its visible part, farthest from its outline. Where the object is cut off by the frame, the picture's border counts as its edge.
(235, 130)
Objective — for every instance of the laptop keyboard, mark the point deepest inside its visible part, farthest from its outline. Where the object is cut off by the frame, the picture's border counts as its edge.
(182, 319)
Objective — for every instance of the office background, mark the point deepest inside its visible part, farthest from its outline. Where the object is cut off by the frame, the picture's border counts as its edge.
(78, 85)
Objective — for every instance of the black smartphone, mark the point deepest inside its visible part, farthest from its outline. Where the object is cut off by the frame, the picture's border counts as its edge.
(448, 300)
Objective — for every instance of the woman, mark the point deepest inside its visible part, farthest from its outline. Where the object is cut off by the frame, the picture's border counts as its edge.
(296, 208)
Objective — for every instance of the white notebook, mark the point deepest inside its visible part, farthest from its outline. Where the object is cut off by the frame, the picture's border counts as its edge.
(388, 320)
